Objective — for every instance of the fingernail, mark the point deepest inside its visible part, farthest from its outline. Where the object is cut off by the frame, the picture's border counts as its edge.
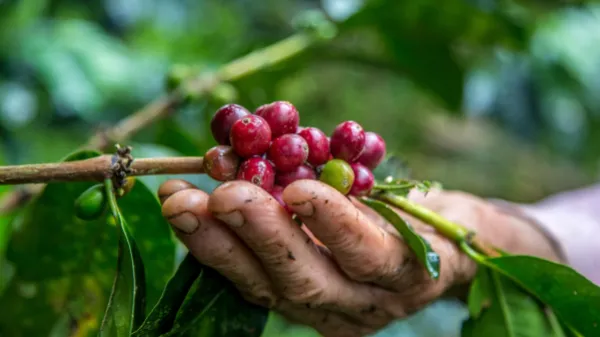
(304, 208)
(170, 187)
(185, 222)
(233, 218)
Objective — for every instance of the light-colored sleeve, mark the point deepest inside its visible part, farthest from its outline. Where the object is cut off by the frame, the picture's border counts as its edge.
(572, 220)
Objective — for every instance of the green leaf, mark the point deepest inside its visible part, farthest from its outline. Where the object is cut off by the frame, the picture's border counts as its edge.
(574, 299)
(417, 244)
(555, 326)
(6, 226)
(126, 306)
(214, 308)
(5, 229)
(62, 265)
(161, 318)
(512, 313)
(569, 332)
(153, 235)
(480, 293)
(402, 187)
(6, 222)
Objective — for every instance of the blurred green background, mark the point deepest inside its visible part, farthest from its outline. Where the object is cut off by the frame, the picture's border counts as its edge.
(495, 97)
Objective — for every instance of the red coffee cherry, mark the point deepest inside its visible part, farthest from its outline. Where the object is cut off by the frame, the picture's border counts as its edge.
(282, 117)
(221, 123)
(301, 172)
(261, 109)
(250, 136)
(374, 151)
(259, 172)
(221, 163)
(277, 193)
(363, 180)
(347, 141)
(318, 145)
(288, 152)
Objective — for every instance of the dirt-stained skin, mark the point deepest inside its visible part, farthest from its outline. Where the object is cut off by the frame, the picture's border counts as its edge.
(345, 271)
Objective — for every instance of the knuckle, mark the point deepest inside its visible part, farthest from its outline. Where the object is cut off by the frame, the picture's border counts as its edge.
(224, 262)
(273, 249)
(376, 264)
(375, 316)
(365, 271)
(308, 292)
(409, 300)
(421, 296)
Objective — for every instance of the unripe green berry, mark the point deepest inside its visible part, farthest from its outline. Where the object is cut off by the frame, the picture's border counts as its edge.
(91, 203)
(338, 174)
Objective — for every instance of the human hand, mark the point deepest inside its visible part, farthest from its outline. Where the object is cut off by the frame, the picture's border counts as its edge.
(345, 272)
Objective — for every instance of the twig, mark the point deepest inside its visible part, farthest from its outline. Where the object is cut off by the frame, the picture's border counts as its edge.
(447, 228)
(95, 169)
(400, 187)
(129, 126)
(202, 85)
(164, 106)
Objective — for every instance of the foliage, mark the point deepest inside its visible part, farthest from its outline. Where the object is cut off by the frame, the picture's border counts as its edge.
(160, 319)
(556, 285)
(511, 295)
(509, 311)
(67, 69)
(127, 301)
(429, 258)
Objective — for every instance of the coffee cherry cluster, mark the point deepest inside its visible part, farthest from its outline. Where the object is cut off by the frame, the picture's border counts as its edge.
(271, 150)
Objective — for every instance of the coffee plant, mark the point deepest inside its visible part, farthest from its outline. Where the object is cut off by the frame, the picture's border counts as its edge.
(511, 295)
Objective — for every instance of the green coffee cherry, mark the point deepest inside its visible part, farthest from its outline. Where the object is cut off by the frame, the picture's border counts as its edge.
(91, 203)
(338, 174)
